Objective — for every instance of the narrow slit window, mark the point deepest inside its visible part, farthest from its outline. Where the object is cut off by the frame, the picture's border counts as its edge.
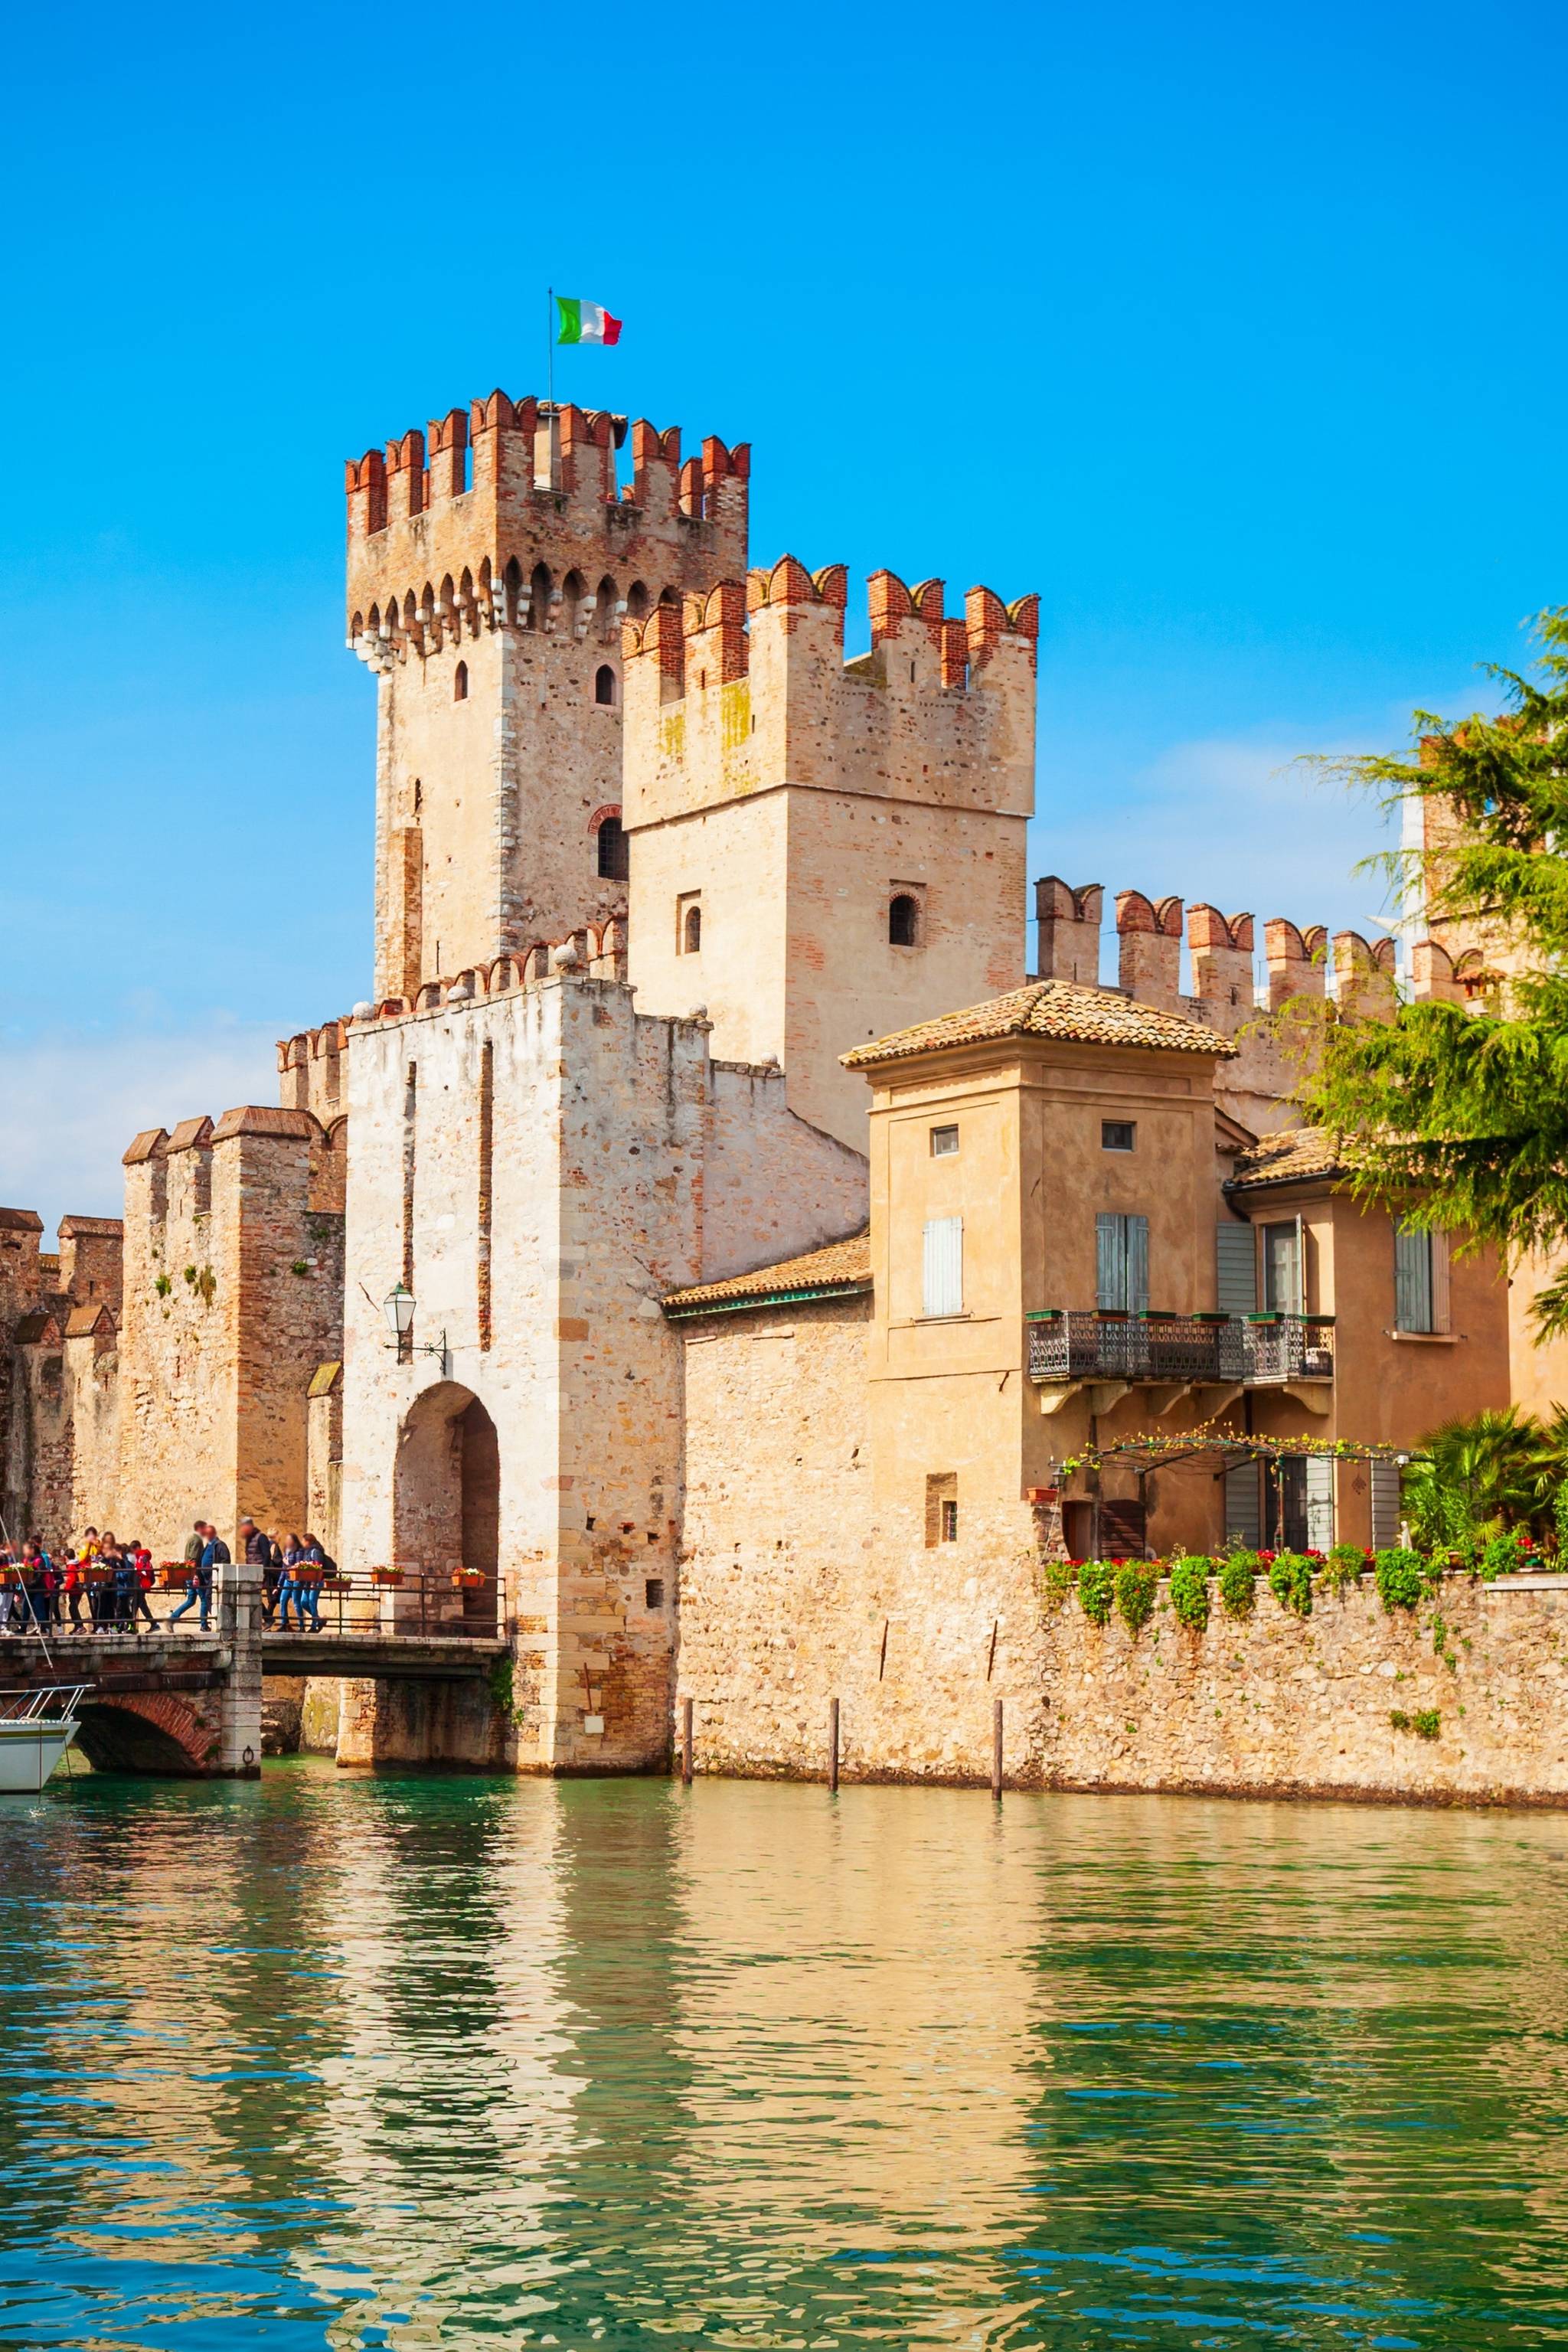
(903, 920)
(691, 931)
(460, 683)
(605, 685)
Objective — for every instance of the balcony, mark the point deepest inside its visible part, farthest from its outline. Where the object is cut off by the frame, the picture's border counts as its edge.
(1249, 1350)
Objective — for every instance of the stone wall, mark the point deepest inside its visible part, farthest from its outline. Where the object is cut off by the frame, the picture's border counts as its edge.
(233, 1297)
(788, 799)
(487, 576)
(803, 1580)
(553, 1164)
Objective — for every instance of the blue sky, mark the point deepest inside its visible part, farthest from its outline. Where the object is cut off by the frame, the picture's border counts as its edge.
(1237, 335)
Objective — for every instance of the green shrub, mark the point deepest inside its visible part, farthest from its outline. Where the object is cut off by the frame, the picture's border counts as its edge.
(1096, 1589)
(1238, 1582)
(1290, 1581)
(1426, 1722)
(1344, 1566)
(1401, 1578)
(1059, 1577)
(1503, 1554)
(1137, 1584)
(1190, 1590)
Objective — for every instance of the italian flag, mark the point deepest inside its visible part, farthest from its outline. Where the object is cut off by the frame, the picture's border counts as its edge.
(585, 322)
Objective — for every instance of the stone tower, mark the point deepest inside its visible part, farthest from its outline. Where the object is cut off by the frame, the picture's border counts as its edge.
(825, 851)
(488, 578)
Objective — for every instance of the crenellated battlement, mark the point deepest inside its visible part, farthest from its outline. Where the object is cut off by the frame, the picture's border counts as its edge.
(744, 686)
(447, 526)
(592, 952)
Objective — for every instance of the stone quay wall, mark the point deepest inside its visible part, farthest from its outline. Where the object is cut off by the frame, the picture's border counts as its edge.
(1339, 1704)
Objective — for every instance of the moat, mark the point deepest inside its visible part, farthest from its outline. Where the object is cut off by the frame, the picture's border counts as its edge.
(331, 2061)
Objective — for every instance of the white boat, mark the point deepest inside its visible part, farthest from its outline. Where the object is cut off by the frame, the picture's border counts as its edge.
(37, 1727)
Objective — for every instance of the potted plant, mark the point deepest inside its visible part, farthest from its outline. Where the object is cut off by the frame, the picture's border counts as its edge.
(386, 1576)
(468, 1580)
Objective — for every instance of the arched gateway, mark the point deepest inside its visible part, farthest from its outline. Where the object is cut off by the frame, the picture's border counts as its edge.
(446, 1499)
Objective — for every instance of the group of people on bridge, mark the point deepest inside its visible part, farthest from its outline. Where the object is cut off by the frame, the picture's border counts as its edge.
(101, 1585)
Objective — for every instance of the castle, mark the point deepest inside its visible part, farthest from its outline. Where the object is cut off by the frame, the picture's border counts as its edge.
(774, 1236)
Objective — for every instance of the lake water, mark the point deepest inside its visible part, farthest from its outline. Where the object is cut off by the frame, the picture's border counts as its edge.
(344, 2062)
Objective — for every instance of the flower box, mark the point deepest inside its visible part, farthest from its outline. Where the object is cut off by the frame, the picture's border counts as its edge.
(468, 1580)
(386, 1576)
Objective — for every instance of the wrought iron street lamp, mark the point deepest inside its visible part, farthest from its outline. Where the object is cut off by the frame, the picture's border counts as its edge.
(399, 1307)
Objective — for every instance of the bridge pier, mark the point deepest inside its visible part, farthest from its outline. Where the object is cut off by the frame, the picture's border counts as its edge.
(239, 1709)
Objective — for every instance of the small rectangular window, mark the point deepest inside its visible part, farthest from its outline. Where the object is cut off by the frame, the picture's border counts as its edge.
(943, 1271)
(653, 1591)
(942, 1508)
(1118, 1134)
(944, 1142)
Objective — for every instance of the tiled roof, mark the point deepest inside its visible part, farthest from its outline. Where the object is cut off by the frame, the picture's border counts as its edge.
(1049, 1008)
(98, 1228)
(1291, 1156)
(837, 1271)
(83, 1319)
(21, 1221)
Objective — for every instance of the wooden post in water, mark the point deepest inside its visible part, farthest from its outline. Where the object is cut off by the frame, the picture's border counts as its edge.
(833, 1746)
(996, 1751)
(686, 1742)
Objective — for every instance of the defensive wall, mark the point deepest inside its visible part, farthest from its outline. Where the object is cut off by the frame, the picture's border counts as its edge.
(824, 850)
(60, 1317)
(1303, 965)
(233, 1295)
(488, 574)
(554, 1162)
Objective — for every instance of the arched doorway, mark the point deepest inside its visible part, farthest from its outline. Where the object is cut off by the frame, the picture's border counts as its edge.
(447, 1494)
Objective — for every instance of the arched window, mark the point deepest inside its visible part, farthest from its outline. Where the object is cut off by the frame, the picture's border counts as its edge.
(604, 684)
(692, 937)
(460, 683)
(903, 921)
(614, 863)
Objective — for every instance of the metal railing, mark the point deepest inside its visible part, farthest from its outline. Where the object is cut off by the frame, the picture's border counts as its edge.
(382, 1604)
(1082, 1344)
(378, 1604)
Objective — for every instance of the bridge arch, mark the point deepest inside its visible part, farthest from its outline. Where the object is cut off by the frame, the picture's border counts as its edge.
(446, 1501)
(152, 1732)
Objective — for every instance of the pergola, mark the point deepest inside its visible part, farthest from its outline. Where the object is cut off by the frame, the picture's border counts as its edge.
(1203, 1450)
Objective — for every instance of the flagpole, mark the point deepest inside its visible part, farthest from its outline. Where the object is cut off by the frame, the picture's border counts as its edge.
(550, 346)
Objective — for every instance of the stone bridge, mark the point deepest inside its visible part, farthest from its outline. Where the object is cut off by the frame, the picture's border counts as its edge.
(166, 1701)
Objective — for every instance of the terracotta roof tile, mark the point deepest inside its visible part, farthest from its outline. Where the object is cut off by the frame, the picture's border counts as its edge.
(1291, 1156)
(103, 1228)
(83, 1319)
(840, 1270)
(1049, 1008)
(21, 1221)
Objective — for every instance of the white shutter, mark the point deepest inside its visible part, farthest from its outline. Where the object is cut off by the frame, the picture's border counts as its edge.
(943, 1269)
(1299, 1304)
(1320, 1503)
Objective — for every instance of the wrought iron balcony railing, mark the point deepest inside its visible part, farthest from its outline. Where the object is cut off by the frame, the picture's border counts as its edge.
(1073, 1344)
